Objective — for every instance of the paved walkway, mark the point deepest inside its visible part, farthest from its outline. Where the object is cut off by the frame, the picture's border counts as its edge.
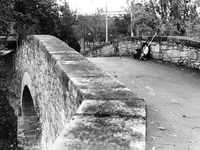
(172, 95)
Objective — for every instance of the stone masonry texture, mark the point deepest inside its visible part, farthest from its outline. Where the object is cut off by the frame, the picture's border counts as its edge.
(79, 106)
(174, 49)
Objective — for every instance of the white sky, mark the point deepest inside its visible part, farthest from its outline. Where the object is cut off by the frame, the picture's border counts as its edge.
(90, 6)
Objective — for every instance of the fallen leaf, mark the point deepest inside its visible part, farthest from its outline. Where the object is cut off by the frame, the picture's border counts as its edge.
(192, 141)
(161, 128)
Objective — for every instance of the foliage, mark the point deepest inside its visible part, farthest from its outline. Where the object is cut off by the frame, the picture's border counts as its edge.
(193, 28)
(65, 27)
(38, 17)
(174, 15)
(90, 27)
(122, 24)
(144, 22)
(167, 17)
(6, 15)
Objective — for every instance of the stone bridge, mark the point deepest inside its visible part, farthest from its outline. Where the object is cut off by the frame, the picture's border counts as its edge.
(63, 101)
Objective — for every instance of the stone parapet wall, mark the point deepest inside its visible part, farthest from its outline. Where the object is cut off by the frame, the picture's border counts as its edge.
(55, 96)
(79, 105)
(178, 50)
(175, 49)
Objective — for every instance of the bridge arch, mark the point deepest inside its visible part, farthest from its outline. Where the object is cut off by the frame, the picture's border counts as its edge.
(29, 124)
(26, 82)
(28, 108)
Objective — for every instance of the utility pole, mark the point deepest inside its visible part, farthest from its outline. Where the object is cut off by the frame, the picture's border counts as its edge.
(131, 19)
(131, 24)
(106, 22)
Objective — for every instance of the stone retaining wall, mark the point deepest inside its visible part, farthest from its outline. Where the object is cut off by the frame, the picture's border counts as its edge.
(174, 49)
(178, 50)
(79, 105)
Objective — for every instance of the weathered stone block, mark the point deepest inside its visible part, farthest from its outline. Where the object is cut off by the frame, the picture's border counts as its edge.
(186, 48)
(175, 60)
(170, 47)
(109, 94)
(97, 132)
(164, 47)
(175, 48)
(132, 108)
(183, 54)
(198, 56)
(192, 55)
(196, 65)
(103, 82)
(157, 56)
(157, 48)
(175, 53)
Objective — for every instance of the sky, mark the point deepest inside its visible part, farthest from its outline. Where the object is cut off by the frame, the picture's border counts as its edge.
(90, 6)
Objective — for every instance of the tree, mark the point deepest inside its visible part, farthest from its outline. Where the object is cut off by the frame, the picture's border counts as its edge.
(174, 14)
(144, 21)
(38, 17)
(91, 27)
(65, 27)
(122, 24)
(168, 17)
(6, 15)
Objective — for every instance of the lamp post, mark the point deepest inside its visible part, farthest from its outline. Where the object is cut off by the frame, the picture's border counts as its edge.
(89, 39)
(106, 22)
(131, 18)
(131, 22)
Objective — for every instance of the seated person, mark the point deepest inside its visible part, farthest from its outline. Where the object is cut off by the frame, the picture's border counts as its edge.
(146, 49)
(143, 52)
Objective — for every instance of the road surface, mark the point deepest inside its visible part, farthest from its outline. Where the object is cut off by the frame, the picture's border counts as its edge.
(172, 95)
